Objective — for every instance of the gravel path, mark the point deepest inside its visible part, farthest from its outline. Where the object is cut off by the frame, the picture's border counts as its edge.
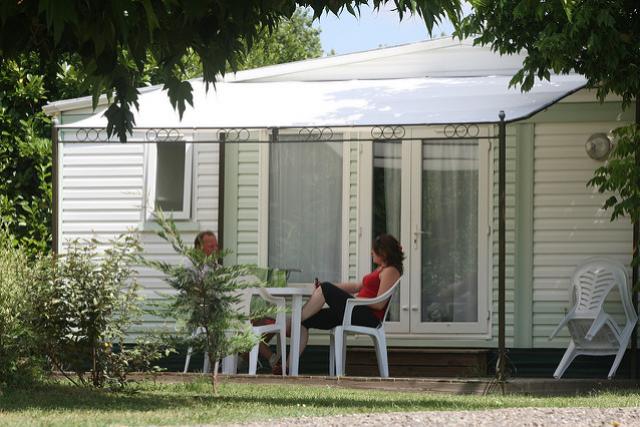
(495, 417)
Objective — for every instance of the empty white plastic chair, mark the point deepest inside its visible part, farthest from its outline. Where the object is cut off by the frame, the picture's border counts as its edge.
(338, 347)
(592, 330)
(230, 363)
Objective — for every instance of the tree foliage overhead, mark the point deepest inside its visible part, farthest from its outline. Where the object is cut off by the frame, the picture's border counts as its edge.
(115, 39)
(293, 39)
(28, 81)
(595, 38)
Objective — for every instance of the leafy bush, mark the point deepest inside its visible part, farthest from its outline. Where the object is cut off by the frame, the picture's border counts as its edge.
(85, 305)
(19, 358)
(25, 155)
(620, 178)
(207, 299)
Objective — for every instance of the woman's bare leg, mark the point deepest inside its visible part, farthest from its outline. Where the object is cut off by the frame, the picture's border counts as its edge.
(314, 304)
(304, 339)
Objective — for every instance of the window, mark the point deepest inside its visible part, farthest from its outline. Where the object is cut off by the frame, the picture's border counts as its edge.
(169, 178)
(305, 209)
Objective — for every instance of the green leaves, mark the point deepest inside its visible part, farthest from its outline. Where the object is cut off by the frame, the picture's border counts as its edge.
(620, 176)
(58, 14)
(207, 298)
(19, 360)
(152, 19)
(588, 37)
(293, 39)
(180, 92)
(85, 306)
(220, 32)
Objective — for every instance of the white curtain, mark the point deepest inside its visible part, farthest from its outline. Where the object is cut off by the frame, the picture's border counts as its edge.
(450, 225)
(305, 209)
(387, 158)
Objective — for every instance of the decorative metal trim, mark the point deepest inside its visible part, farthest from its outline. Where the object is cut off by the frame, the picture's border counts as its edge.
(163, 135)
(316, 134)
(387, 132)
(461, 130)
(235, 134)
(91, 135)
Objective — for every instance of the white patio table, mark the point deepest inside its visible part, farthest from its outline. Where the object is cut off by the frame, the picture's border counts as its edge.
(295, 293)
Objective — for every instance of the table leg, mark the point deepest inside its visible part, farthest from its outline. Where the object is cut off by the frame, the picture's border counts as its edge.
(296, 315)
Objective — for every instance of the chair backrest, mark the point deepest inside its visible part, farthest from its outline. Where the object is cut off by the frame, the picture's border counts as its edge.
(593, 280)
(389, 294)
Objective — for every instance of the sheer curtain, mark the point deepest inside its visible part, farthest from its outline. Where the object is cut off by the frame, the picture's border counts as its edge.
(450, 225)
(170, 176)
(305, 209)
(387, 157)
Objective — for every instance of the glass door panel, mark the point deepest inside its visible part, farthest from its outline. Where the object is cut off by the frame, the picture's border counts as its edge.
(386, 199)
(448, 287)
(449, 258)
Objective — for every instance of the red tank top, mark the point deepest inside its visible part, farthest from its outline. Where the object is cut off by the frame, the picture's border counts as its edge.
(369, 289)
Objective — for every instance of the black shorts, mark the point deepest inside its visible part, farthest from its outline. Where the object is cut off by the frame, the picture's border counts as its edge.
(336, 299)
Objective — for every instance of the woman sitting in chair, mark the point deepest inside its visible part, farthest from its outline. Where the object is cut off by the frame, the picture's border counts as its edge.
(387, 255)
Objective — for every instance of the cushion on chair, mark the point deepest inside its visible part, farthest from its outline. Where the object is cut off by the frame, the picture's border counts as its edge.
(277, 278)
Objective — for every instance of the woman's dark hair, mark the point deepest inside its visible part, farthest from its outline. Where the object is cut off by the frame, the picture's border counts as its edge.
(388, 247)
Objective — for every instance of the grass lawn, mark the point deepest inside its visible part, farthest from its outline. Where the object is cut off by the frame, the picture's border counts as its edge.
(192, 403)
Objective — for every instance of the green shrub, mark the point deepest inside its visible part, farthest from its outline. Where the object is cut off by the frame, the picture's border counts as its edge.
(206, 299)
(20, 362)
(85, 306)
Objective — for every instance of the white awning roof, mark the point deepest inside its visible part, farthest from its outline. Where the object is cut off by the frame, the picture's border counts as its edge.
(408, 101)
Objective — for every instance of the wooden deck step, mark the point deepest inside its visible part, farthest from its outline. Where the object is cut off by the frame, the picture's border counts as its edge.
(419, 362)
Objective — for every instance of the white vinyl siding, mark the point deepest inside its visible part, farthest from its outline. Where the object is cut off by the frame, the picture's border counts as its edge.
(247, 208)
(206, 192)
(102, 196)
(569, 224)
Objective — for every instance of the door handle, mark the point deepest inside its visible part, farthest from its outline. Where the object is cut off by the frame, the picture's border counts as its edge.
(405, 308)
(414, 307)
(416, 236)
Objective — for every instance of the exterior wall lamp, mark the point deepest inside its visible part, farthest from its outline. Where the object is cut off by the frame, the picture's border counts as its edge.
(598, 146)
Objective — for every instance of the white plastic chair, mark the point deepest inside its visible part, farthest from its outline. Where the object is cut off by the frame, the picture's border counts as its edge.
(338, 347)
(593, 331)
(230, 363)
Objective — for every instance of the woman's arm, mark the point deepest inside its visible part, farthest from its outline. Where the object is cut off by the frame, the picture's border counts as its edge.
(388, 277)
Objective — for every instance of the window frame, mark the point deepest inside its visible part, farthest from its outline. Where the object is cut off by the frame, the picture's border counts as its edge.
(151, 162)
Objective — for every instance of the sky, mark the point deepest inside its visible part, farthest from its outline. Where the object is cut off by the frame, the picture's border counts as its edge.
(372, 30)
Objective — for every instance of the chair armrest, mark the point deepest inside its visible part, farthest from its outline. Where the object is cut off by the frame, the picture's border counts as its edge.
(562, 323)
(354, 302)
(265, 295)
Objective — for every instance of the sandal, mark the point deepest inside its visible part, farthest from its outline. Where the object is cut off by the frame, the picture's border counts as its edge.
(277, 368)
